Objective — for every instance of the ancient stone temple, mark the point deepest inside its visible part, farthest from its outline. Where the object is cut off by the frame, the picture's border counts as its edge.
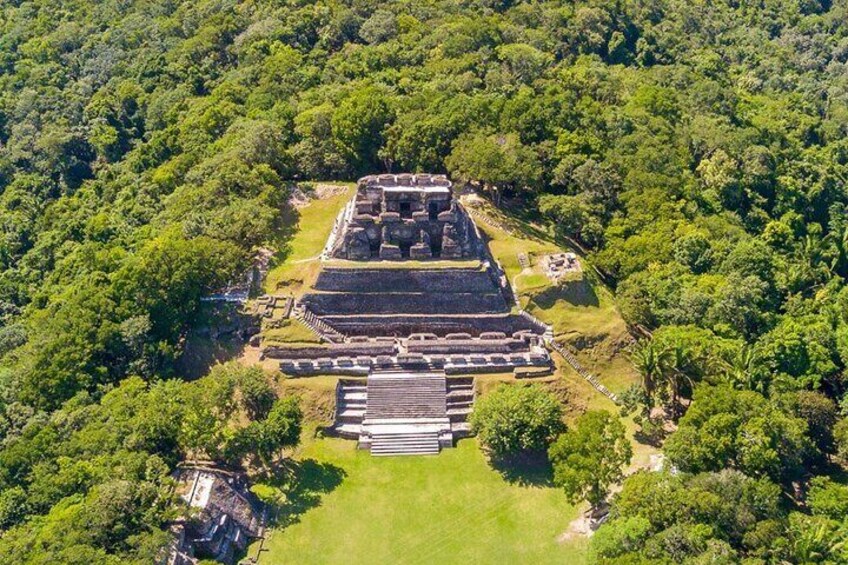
(410, 304)
(405, 217)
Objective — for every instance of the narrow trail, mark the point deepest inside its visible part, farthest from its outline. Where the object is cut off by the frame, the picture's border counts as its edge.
(307, 260)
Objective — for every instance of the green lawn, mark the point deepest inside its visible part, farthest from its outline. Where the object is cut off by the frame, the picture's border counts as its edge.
(291, 331)
(353, 508)
(294, 268)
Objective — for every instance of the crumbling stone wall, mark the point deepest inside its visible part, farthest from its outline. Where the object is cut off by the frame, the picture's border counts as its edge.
(406, 217)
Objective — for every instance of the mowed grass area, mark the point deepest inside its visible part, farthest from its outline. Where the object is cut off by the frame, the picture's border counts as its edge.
(353, 508)
(294, 269)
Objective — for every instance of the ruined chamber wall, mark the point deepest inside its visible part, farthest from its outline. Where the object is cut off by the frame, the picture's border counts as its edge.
(405, 216)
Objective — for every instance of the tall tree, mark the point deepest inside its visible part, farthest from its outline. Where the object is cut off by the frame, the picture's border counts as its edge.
(590, 457)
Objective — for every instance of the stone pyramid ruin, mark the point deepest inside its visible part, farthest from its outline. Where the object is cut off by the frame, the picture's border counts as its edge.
(408, 295)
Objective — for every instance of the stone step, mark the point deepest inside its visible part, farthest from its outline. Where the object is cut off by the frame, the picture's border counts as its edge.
(404, 444)
(457, 404)
(401, 414)
(348, 430)
(410, 383)
(460, 429)
(459, 415)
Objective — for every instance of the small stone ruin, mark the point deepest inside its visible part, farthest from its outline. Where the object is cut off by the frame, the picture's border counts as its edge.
(405, 216)
(222, 516)
(558, 265)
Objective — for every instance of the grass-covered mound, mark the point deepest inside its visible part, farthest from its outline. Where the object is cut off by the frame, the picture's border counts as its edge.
(580, 307)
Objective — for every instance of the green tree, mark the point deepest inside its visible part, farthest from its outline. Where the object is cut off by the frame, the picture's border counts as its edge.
(498, 162)
(590, 457)
(358, 125)
(729, 428)
(514, 419)
(652, 362)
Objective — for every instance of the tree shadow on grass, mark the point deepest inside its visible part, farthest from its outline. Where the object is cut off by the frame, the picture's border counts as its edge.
(285, 228)
(578, 293)
(302, 485)
(525, 469)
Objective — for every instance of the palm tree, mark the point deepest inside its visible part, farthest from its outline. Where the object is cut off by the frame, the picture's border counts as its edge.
(815, 540)
(840, 242)
(652, 363)
(678, 366)
(810, 266)
(739, 370)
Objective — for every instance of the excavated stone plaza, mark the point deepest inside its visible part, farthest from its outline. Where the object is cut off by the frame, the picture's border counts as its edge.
(408, 305)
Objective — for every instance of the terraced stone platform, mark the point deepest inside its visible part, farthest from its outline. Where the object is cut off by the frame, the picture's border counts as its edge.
(400, 301)
(404, 413)
(407, 294)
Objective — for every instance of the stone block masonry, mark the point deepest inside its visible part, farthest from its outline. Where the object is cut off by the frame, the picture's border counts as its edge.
(397, 217)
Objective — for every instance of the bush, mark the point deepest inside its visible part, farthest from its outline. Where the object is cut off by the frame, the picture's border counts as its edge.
(513, 419)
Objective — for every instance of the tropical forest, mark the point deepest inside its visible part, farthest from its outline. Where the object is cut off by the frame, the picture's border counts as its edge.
(691, 156)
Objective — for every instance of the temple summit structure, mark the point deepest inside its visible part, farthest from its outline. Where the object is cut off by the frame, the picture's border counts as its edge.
(405, 217)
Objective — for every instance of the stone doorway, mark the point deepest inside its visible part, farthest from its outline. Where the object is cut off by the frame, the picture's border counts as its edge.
(433, 209)
(405, 210)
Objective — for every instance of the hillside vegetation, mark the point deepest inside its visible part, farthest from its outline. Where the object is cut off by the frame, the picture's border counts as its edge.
(696, 150)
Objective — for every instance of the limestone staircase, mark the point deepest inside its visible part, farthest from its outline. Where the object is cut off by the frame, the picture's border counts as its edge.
(405, 443)
(350, 408)
(406, 414)
(405, 396)
(459, 402)
(319, 327)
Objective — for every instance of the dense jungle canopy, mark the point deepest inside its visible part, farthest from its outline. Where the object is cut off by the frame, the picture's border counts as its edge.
(697, 150)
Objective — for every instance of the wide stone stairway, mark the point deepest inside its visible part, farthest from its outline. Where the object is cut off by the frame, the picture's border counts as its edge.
(405, 396)
(404, 413)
